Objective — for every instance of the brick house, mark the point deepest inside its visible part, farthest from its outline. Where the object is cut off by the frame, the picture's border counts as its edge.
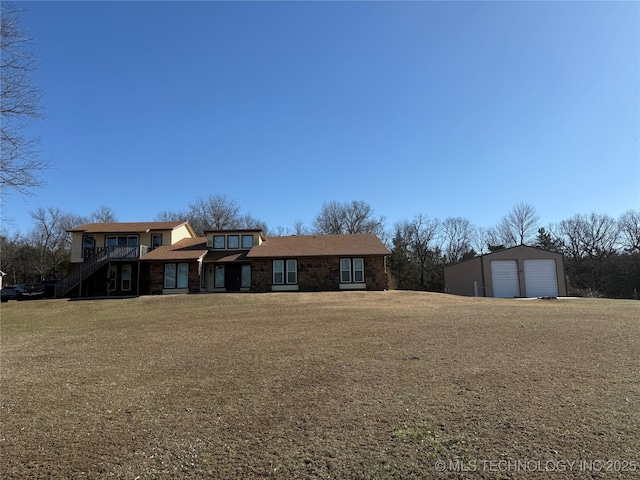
(227, 261)
(319, 262)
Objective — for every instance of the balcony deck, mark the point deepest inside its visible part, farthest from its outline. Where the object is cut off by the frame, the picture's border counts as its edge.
(117, 252)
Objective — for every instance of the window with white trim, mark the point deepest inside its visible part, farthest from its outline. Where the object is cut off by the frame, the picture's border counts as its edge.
(278, 272)
(292, 271)
(183, 275)
(345, 270)
(352, 270)
(285, 272)
(358, 270)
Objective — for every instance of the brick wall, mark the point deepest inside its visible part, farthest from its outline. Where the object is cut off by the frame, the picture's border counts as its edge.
(156, 277)
(319, 274)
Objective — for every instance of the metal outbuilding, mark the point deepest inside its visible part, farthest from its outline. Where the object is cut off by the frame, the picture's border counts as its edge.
(520, 271)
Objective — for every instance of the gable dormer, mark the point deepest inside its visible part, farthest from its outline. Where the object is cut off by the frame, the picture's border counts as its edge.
(220, 240)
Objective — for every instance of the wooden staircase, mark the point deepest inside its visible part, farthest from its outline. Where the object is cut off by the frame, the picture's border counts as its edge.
(95, 262)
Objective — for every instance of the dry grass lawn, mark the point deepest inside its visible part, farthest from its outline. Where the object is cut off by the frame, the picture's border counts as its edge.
(324, 385)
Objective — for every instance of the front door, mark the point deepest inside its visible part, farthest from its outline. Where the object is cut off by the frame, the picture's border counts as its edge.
(233, 277)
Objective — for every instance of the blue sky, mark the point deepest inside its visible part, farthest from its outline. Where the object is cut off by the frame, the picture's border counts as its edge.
(445, 108)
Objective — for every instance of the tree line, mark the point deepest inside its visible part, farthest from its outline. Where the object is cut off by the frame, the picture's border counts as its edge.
(602, 253)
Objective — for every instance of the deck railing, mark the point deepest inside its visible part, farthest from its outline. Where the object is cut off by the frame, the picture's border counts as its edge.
(94, 262)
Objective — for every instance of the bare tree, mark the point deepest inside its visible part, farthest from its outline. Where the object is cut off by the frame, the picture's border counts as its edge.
(629, 225)
(494, 238)
(457, 233)
(20, 162)
(419, 238)
(10, 258)
(103, 214)
(215, 212)
(248, 221)
(169, 216)
(50, 237)
(330, 220)
(481, 239)
(603, 234)
(279, 231)
(519, 226)
(299, 228)
(593, 235)
(571, 232)
(347, 218)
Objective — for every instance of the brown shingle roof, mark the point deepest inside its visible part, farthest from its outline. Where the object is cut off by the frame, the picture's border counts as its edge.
(226, 257)
(319, 245)
(185, 249)
(126, 227)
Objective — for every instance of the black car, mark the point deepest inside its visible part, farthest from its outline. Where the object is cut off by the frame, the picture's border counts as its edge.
(32, 292)
(12, 292)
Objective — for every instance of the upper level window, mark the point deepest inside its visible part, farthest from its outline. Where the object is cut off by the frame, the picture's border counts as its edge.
(233, 241)
(247, 241)
(156, 240)
(352, 270)
(122, 241)
(88, 246)
(218, 241)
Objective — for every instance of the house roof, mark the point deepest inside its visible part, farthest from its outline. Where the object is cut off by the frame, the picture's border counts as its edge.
(128, 227)
(226, 257)
(319, 245)
(185, 249)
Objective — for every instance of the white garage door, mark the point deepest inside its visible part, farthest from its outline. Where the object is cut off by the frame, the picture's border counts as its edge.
(540, 278)
(504, 277)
